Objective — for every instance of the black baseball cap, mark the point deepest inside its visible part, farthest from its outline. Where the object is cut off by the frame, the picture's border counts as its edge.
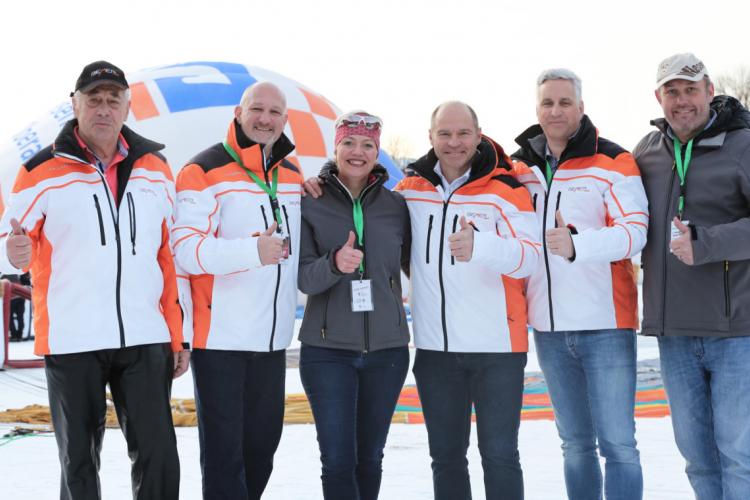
(100, 72)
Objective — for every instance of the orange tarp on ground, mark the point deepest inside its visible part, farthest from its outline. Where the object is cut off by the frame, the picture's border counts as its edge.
(650, 402)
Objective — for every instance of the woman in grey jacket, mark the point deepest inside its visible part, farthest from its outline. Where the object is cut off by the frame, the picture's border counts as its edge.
(354, 358)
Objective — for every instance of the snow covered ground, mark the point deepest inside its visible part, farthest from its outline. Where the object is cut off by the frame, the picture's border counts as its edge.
(29, 468)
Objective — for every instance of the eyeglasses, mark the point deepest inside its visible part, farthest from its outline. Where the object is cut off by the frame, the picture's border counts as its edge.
(355, 120)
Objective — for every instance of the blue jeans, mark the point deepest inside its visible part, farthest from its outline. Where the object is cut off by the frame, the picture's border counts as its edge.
(448, 384)
(239, 397)
(352, 396)
(708, 385)
(591, 379)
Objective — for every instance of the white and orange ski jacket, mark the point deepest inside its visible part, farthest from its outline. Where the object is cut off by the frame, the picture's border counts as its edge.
(597, 188)
(237, 304)
(103, 272)
(475, 306)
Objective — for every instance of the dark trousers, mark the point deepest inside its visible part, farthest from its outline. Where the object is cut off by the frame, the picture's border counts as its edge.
(239, 396)
(352, 396)
(140, 380)
(448, 383)
(16, 324)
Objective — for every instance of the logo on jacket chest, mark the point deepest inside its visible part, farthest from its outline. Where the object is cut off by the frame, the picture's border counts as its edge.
(579, 189)
(477, 216)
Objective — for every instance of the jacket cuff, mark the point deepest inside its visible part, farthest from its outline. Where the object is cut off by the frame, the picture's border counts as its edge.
(332, 261)
(701, 253)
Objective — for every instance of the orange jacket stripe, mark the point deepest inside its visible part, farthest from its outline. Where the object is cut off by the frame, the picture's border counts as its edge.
(169, 303)
(40, 270)
(36, 198)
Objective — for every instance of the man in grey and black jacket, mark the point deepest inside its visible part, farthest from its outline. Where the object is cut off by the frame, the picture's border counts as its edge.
(696, 265)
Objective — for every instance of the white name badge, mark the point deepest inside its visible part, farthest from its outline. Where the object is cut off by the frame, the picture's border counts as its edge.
(676, 232)
(361, 296)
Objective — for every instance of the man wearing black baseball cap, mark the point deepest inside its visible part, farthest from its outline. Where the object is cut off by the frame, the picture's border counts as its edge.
(98, 73)
(90, 216)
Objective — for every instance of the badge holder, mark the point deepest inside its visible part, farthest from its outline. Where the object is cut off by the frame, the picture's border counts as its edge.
(362, 295)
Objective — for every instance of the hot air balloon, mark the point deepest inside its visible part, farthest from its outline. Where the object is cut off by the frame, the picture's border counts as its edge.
(187, 107)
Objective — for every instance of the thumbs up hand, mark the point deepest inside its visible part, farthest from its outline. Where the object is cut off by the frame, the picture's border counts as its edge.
(559, 241)
(347, 258)
(269, 246)
(18, 246)
(462, 242)
(682, 246)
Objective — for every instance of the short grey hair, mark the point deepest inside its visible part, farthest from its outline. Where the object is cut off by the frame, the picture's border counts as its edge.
(561, 74)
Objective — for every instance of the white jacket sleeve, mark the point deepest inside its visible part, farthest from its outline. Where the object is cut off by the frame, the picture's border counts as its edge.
(26, 204)
(513, 250)
(198, 250)
(627, 206)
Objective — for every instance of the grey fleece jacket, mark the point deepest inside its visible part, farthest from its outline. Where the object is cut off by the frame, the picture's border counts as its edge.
(326, 222)
(712, 297)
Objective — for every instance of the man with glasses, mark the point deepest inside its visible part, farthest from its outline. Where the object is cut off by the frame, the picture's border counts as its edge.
(696, 264)
(105, 296)
(583, 305)
(237, 236)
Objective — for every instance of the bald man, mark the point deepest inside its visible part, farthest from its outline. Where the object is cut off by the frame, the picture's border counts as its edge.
(236, 237)
(474, 237)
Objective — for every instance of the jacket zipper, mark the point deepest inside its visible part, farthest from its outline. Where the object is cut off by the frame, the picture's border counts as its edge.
(440, 277)
(101, 221)
(366, 314)
(393, 292)
(429, 233)
(727, 298)
(288, 228)
(455, 224)
(131, 213)
(546, 255)
(118, 282)
(325, 315)
(664, 263)
(278, 282)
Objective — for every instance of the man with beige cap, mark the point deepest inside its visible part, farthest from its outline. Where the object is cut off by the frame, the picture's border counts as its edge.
(696, 263)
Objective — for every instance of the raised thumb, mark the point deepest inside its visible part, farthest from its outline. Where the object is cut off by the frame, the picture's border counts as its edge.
(559, 219)
(17, 229)
(271, 229)
(682, 227)
(350, 241)
(463, 223)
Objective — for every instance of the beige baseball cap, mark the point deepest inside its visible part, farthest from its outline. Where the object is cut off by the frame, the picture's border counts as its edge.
(680, 67)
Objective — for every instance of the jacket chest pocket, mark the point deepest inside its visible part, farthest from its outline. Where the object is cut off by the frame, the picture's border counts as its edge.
(581, 204)
(141, 215)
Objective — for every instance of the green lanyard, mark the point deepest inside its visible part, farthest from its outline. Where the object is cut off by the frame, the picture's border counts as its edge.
(682, 169)
(548, 173)
(270, 191)
(359, 228)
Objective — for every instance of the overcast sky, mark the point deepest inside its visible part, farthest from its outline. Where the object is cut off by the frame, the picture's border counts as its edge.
(397, 59)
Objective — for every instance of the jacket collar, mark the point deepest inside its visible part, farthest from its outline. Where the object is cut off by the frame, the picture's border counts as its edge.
(251, 152)
(66, 143)
(488, 157)
(329, 175)
(585, 142)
